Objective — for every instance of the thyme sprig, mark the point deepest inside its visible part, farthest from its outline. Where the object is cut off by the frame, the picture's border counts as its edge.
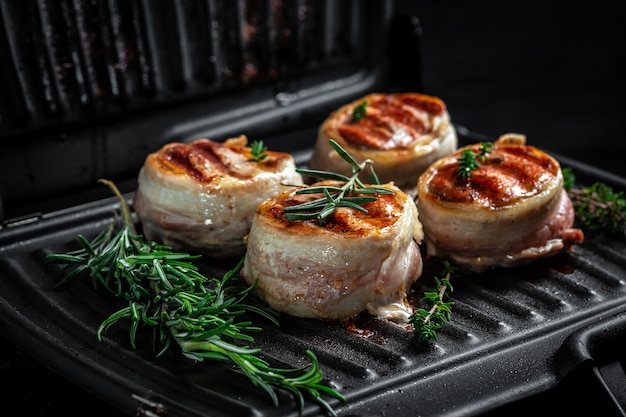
(258, 150)
(336, 196)
(167, 294)
(598, 207)
(428, 323)
(469, 160)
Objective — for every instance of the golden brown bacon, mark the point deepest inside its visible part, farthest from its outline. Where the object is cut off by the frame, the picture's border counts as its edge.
(351, 263)
(402, 133)
(511, 210)
(201, 196)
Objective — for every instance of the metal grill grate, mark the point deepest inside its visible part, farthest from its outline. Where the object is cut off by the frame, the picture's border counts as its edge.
(73, 60)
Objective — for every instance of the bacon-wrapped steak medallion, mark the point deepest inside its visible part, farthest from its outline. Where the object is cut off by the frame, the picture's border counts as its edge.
(350, 263)
(201, 196)
(508, 211)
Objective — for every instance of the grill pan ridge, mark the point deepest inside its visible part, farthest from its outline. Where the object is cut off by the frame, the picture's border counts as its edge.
(503, 342)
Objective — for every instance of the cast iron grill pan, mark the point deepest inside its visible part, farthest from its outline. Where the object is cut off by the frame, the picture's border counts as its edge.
(514, 333)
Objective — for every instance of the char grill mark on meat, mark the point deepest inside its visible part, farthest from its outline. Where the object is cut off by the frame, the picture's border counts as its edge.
(389, 123)
(194, 159)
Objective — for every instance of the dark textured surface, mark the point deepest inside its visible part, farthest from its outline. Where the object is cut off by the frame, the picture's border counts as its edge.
(546, 69)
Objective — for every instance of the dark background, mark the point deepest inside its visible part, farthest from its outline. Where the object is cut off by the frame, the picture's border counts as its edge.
(548, 69)
(551, 70)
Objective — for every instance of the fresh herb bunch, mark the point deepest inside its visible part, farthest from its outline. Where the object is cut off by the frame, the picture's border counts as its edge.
(428, 323)
(258, 150)
(167, 294)
(359, 111)
(598, 207)
(470, 160)
(335, 197)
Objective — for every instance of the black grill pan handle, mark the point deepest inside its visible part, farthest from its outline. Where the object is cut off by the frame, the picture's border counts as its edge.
(592, 363)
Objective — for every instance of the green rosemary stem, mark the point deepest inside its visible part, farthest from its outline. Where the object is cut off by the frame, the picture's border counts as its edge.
(124, 210)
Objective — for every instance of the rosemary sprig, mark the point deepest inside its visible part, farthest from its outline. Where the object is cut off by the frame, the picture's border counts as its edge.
(335, 197)
(470, 160)
(258, 150)
(167, 294)
(598, 207)
(359, 111)
(428, 323)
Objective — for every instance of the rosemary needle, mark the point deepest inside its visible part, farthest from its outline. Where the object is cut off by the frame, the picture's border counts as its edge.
(167, 294)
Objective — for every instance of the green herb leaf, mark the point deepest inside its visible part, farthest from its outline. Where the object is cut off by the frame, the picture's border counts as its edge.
(569, 179)
(323, 174)
(259, 151)
(598, 207)
(467, 163)
(359, 111)
(428, 323)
